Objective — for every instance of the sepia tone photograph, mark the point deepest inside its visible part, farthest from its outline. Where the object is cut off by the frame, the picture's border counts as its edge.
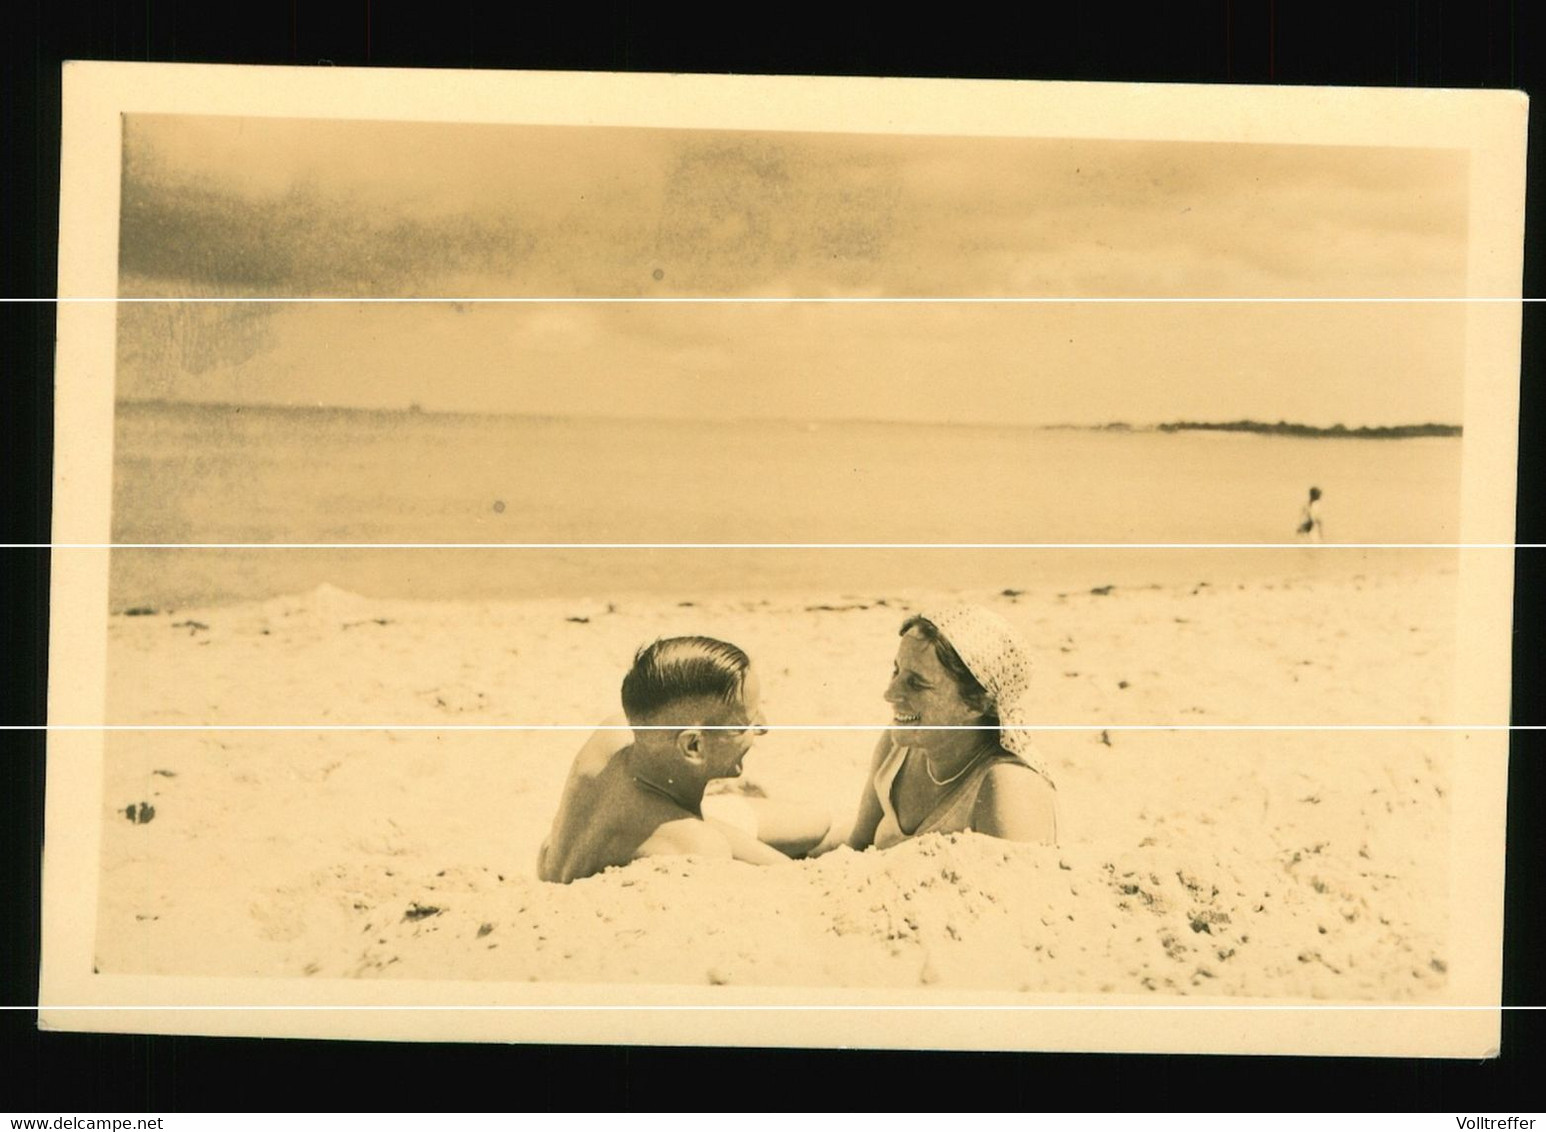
(736, 564)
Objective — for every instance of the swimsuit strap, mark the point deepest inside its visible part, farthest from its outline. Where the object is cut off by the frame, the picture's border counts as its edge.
(961, 796)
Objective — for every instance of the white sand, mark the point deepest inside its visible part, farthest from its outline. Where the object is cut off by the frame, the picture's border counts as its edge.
(1259, 863)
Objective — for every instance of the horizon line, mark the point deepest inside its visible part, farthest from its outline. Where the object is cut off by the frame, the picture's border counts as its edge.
(416, 409)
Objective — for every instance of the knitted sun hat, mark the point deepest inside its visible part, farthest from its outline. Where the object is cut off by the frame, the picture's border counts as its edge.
(999, 658)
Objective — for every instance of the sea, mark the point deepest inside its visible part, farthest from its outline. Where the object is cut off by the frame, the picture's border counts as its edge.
(226, 474)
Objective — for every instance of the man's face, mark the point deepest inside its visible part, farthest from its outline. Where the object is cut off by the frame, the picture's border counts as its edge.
(726, 746)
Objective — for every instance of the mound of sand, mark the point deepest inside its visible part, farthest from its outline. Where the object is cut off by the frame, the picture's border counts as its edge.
(1281, 863)
(958, 910)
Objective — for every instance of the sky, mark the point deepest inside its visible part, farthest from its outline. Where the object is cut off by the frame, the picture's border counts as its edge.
(240, 208)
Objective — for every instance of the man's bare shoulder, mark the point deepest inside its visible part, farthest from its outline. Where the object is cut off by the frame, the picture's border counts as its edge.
(591, 765)
(599, 752)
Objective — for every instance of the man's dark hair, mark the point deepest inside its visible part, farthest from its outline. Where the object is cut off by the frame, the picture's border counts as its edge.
(680, 668)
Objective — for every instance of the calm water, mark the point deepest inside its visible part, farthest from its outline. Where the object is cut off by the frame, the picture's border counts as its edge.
(218, 474)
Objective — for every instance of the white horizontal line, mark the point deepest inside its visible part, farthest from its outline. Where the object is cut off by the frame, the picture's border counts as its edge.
(679, 1007)
(774, 300)
(1459, 727)
(770, 546)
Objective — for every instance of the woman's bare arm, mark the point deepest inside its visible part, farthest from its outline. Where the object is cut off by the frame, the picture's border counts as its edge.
(1017, 804)
(862, 836)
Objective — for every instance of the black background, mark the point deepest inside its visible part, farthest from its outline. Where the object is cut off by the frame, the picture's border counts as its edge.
(1411, 44)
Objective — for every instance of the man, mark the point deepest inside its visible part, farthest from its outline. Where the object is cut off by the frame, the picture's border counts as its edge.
(694, 706)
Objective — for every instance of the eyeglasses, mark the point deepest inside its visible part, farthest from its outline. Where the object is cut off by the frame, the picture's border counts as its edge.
(757, 729)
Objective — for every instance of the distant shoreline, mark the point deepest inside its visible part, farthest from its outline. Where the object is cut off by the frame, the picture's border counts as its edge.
(1281, 428)
(1285, 428)
(1261, 428)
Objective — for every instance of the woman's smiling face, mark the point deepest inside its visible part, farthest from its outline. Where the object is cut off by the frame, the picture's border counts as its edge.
(922, 694)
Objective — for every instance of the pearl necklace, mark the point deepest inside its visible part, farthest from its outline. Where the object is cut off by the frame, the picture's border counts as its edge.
(928, 769)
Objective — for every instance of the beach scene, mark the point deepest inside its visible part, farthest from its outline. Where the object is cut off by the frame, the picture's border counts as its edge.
(1279, 863)
(379, 567)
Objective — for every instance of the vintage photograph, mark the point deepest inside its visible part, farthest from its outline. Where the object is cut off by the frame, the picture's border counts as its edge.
(745, 560)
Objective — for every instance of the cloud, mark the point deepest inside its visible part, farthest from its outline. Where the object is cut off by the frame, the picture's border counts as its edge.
(247, 207)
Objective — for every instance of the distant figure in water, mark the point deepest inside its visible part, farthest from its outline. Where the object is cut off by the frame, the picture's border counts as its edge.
(694, 704)
(1310, 518)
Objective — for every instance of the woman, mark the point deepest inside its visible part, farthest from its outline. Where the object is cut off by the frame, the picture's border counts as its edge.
(959, 756)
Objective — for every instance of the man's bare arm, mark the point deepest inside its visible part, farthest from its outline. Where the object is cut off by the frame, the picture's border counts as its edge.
(744, 847)
(686, 837)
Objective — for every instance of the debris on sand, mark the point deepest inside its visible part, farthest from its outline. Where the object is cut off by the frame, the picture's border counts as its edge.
(139, 812)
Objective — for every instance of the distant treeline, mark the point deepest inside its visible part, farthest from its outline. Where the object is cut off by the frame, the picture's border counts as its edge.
(1285, 428)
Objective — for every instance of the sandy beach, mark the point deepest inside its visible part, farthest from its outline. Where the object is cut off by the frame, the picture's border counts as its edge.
(1263, 863)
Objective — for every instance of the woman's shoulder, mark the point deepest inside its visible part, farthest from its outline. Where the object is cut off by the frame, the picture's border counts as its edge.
(1015, 801)
(889, 758)
(1010, 771)
(887, 750)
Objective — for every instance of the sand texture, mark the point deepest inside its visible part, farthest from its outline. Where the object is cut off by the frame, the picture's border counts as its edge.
(1268, 863)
